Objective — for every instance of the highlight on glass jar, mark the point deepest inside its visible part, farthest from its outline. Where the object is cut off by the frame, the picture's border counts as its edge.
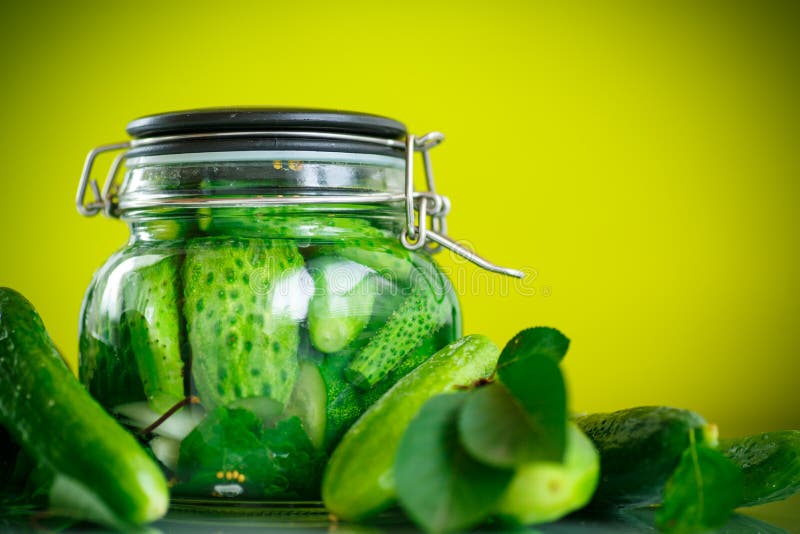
(278, 280)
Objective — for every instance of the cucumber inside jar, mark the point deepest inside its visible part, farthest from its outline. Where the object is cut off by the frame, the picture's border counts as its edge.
(284, 337)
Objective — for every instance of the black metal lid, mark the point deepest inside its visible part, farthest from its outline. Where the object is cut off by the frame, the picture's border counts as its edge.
(262, 121)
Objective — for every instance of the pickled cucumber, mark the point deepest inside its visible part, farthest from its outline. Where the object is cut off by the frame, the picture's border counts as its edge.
(242, 306)
(105, 364)
(343, 402)
(770, 463)
(150, 300)
(386, 257)
(541, 492)
(359, 479)
(342, 303)
(639, 449)
(280, 222)
(308, 402)
(418, 317)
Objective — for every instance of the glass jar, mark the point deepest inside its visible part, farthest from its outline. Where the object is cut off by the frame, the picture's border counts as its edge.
(276, 283)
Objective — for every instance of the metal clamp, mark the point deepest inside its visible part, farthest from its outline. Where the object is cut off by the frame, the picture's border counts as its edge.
(429, 204)
(102, 199)
(426, 211)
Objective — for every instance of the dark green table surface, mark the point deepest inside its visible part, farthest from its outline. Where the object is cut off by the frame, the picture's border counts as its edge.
(773, 518)
(778, 517)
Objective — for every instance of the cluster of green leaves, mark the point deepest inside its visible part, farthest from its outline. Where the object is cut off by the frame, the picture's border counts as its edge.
(233, 446)
(458, 455)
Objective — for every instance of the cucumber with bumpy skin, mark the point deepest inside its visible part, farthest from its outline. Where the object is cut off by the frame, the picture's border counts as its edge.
(343, 403)
(48, 412)
(639, 449)
(243, 303)
(359, 478)
(418, 317)
(411, 361)
(541, 492)
(150, 300)
(770, 463)
(342, 303)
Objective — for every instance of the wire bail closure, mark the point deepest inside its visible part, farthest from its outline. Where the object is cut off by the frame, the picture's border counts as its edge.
(426, 211)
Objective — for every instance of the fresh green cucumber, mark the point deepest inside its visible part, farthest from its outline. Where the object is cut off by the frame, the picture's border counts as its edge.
(342, 303)
(770, 463)
(639, 449)
(55, 420)
(418, 317)
(359, 479)
(240, 320)
(308, 402)
(541, 492)
(9, 451)
(150, 299)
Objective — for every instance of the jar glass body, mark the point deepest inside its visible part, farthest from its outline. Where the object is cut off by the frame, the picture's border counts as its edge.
(239, 343)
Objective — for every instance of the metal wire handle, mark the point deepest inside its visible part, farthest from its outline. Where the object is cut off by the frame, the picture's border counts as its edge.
(426, 211)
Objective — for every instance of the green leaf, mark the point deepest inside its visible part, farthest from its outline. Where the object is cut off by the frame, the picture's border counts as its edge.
(538, 386)
(495, 429)
(701, 494)
(227, 440)
(534, 342)
(439, 485)
(232, 451)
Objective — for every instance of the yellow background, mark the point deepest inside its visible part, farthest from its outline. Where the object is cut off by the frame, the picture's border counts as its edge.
(642, 157)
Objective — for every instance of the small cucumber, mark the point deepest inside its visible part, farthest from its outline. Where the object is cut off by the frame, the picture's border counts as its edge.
(639, 449)
(418, 317)
(387, 258)
(411, 361)
(359, 479)
(150, 300)
(55, 420)
(105, 365)
(308, 402)
(541, 492)
(343, 403)
(342, 303)
(276, 222)
(244, 298)
(770, 463)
